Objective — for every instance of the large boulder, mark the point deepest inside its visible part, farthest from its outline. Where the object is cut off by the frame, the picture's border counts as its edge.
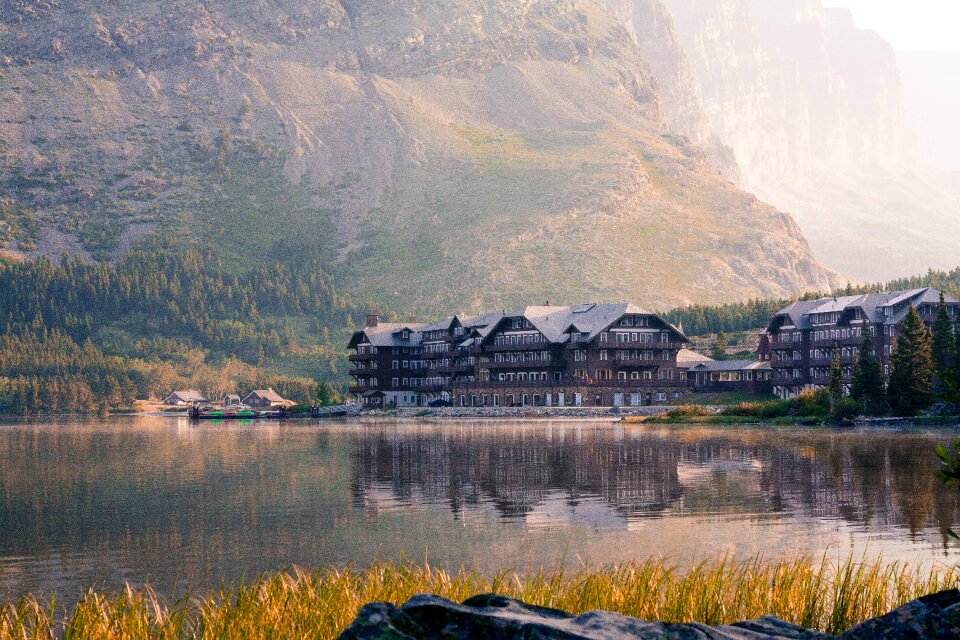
(491, 617)
(934, 617)
(498, 618)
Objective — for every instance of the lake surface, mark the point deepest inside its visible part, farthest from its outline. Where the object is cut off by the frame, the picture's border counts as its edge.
(161, 501)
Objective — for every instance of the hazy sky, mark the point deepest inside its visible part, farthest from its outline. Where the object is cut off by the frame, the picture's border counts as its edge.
(909, 24)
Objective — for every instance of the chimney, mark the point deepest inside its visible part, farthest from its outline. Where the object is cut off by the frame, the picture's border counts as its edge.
(373, 320)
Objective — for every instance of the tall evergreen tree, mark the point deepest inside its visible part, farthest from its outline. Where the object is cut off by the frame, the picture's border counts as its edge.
(956, 350)
(867, 384)
(836, 380)
(944, 347)
(911, 379)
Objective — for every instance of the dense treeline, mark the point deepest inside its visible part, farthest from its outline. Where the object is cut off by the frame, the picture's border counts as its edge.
(85, 337)
(699, 320)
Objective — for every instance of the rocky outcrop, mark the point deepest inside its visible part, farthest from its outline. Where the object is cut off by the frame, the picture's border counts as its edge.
(650, 25)
(499, 618)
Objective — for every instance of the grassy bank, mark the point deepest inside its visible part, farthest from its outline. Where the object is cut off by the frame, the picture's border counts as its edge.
(820, 594)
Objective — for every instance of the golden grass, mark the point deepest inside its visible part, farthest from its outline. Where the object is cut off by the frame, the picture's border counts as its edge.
(820, 594)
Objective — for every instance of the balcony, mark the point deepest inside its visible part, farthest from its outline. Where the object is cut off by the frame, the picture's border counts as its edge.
(573, 383)
(641, 362)
(363, 371)
(527, 364)
(361, 357)
(494, 348)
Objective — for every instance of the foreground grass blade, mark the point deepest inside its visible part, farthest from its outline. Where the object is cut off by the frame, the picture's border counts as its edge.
(817, 593)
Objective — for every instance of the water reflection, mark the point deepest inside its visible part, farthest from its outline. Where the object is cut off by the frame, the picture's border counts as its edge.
(868, 479)
(181, 507)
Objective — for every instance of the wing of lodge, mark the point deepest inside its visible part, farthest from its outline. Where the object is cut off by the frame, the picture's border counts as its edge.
(588, 355)
(803, 336)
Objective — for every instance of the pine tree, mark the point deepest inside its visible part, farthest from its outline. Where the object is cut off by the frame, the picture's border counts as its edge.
(867, 384)
(956, 349)
(944, 347)
(911, 378)
(836, 381)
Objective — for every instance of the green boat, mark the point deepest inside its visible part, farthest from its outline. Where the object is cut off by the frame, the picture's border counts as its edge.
(216, 413)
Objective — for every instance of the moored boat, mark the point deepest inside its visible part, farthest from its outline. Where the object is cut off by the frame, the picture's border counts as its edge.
(235, 413)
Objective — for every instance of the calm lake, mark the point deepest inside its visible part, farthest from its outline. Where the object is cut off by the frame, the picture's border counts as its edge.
(161, 501)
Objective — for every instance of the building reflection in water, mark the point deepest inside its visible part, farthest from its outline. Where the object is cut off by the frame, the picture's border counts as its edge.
(611, 477)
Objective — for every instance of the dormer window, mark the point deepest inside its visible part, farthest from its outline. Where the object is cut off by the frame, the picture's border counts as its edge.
(406, 334)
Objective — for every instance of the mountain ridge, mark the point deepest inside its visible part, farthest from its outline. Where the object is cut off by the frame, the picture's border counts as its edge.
(437, 155)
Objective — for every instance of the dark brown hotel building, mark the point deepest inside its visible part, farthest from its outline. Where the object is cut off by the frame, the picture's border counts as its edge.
(589, 355)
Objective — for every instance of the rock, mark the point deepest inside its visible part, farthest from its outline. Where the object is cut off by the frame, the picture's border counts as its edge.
(494, 617)
(934, 617)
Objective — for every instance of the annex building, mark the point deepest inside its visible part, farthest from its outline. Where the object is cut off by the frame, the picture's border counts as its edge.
(588, 355)
(803, 336)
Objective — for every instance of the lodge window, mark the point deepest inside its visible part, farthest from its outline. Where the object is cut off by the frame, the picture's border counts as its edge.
(604, 354)
(396, 382)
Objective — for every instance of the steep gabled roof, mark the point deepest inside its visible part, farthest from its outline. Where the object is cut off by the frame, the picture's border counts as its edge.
(267, 394)
(873, 306)
(384, 335)
(555, 323)
(189, 395)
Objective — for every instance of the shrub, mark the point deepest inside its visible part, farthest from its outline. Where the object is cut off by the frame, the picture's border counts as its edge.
(690, 411)
(776, 409)
(846, 409)
(811, 403)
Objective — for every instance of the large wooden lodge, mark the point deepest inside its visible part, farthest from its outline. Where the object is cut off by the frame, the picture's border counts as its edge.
(616, 355)
(588, 355)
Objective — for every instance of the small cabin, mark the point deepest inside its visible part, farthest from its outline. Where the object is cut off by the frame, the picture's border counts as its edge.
(231, 400)
(184, 398)
(266, 399)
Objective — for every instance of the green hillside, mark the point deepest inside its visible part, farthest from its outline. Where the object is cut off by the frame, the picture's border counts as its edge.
(79, 337)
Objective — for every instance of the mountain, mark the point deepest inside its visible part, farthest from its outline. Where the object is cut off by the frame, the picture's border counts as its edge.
(436, 155)
(812, 107)
(931, 88)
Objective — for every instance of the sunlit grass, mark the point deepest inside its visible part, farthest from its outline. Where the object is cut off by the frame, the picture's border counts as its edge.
(821, 594)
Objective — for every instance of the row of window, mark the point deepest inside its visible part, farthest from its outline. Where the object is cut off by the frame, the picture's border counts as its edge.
(839, 334)
(635, 321)
(522, 356)
(625, 337)
(518, 339)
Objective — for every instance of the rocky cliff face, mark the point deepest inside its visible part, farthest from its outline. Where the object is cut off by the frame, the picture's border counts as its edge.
(793, 87)
(812, 107)
(650, 25)
(440, 154)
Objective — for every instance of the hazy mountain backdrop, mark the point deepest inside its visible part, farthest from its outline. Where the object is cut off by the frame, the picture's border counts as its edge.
(447, 154)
